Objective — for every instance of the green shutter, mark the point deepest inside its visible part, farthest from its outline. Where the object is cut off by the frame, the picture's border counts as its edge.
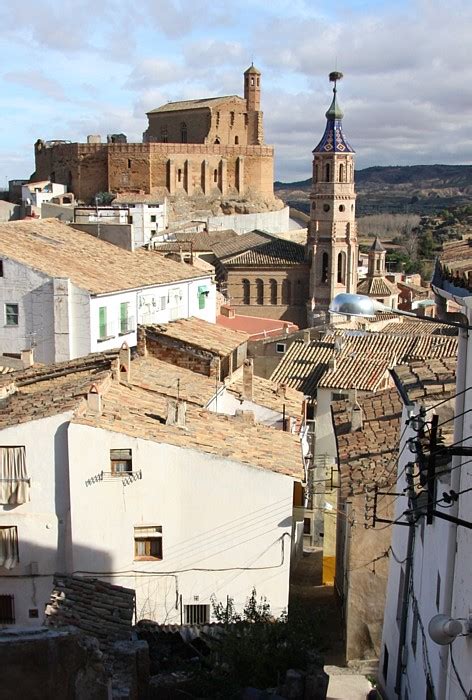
(202, 297)
(102, 321)
(124, 317)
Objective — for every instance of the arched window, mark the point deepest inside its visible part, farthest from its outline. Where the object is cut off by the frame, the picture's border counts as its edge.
(342, 207)
(341, 173)
(324, 267)
(183, 132)
(378, 265)
(327, 172)
(246, 292)
(286, 292)
(217, 141)
(252, 81)
(273, 291)
(259, 291)
(341, 267)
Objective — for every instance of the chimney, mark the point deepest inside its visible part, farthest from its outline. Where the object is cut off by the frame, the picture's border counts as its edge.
(248, 380)
(332, 363)
(176, 412)
(227, 311)
(306, 335)
(94, 138)
(27, 358)
(125, 364)
(141, 341)
(281, 390)
(245, 416)
(357, 417)
(94, 400)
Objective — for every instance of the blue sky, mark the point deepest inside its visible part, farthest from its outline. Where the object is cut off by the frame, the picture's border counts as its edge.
(84, 68)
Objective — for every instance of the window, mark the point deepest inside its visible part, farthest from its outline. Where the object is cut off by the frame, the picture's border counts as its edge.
(1, 268)
(273, 291)
(130, 219)
(342, 207)
(231, 118)
(338, 396)
(11, 314)
(7, 610)
(341, 173)
(259, 291)
(327, 172)
(324, 267)
(280, 348)
(306, 526)
(197, 614)
(286, 292)
(236, 140)
(9, 547)
(341, 267)
(313, 205)
(124, 318)
(153, 218)
(183, 132)
(14, 480)
(121, 462)
(202, 297)
(246, 292)
(215, 174)
(129, 162)
(326, 207)
(179, 175)
(33, 613)
(148, 542)
(102, 322)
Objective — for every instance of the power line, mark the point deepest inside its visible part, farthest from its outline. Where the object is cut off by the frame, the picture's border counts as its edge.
(466, 695)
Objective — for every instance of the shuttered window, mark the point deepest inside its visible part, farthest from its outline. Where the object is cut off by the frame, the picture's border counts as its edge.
(124, 317)
(102, 322)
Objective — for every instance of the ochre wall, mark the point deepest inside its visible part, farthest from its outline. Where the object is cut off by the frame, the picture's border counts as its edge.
(153, 168)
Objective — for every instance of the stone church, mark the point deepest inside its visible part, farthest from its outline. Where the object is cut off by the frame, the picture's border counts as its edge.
(211, 148)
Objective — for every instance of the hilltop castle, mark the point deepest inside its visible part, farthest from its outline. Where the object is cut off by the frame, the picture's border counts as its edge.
(209, 148)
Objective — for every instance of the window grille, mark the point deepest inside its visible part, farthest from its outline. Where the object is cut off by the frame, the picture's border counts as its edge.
(197, 614)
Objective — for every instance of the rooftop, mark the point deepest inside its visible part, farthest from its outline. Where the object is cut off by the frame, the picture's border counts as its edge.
(202, 103)
(200, 334)
(240, 244)
(271, 395)
(368, 456)
(376, 287)
(276, 252)
(427, 380)
(201, 241)
(139, 409)
(257, 327)
(57, 250)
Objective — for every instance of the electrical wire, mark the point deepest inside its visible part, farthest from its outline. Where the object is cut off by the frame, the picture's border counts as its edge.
(459, 680)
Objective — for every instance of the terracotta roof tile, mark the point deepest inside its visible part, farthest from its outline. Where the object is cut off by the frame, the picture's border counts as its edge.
(196, 104)
(201, 334)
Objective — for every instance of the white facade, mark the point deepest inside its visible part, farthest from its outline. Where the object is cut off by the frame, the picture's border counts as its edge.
(226, 526)
(440, 580)
(62, 321)
(36, 193)
(147, 220)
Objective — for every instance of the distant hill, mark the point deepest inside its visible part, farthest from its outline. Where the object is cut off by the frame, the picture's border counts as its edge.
(412, 189)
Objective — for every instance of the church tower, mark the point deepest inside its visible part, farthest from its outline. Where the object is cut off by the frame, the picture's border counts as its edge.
(252, 95)
(332, 238)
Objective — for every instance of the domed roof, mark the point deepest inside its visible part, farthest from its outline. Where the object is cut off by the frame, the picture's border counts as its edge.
(252, 70)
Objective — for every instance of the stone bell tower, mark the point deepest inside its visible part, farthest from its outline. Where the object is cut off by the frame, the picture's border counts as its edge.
(252, 95)
(332, 238)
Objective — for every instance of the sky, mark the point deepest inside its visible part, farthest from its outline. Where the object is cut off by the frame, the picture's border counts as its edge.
(72, 69)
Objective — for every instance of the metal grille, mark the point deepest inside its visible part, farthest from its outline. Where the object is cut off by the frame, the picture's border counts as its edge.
(7, 609)
(197, 614)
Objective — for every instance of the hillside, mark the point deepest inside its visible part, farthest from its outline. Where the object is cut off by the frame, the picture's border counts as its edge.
(413, 189)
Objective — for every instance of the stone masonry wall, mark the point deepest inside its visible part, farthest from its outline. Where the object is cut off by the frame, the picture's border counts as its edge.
(181, 355)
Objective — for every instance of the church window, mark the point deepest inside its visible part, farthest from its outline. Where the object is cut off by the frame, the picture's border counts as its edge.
(215, 175)
(273, 291)
(324, 267)
(286, 292)
(252, 81)
(341, 268)
(129, 162)
(183, 132)
(342, 207)
(258, 82)
(327, 172)
(236, 140)
(246, 292)
(217, 140)
(179, 175)
(378, 264)
(259, 291)
(341, 173)
(231, 118)
(326, 207)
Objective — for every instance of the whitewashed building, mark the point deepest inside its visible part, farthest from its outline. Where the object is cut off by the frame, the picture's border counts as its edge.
(112, 475)
(430, 569)
(36, 193)
(67, 294)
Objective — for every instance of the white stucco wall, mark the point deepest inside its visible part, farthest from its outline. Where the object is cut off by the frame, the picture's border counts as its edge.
(224, 524)
(271, 221)
(228, 403)
(43, 522)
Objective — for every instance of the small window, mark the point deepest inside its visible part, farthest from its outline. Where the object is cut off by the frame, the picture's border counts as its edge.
(121, 462)
(246, 292)
(183, 132)
(1, 268)
(231, 118)
(125, 325)
(148, 542)
(280, 348)
(202, 297)
(324, 267)
(306, 526)
(215, 175)
(129, 162)
(179, 175)
(9, 556)
(33, 613)
(259, 291)
(11, 314)
(102, 322)
(236, 140)
(273, 291)
(338, 396)
(7, 610)
(197, 614)
(131, 219)
(342, 207)
(326, 207)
